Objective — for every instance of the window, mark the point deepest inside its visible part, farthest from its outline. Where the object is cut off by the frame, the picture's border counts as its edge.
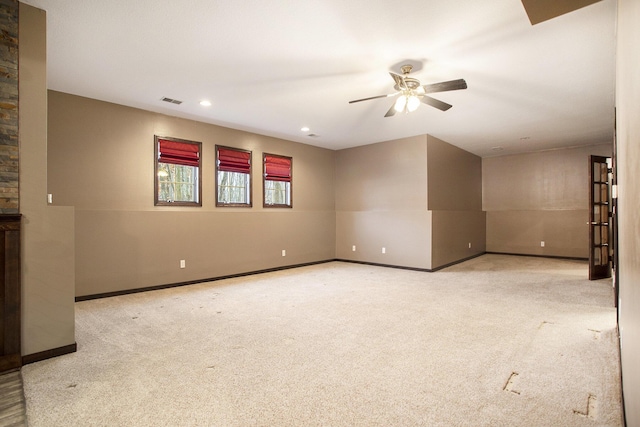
(277, 181)
(178, 174)
(233, 177)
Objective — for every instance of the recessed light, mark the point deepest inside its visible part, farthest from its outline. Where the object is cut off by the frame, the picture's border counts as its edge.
(304, 129)
(205, 103)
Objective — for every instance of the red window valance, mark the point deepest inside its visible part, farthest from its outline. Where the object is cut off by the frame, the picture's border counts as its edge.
(230, 160)
(277, 168)
(178, 153)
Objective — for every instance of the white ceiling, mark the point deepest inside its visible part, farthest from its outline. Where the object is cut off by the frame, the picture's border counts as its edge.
(274, 66)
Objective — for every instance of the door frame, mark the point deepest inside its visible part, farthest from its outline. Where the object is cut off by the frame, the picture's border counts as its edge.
(599, 218)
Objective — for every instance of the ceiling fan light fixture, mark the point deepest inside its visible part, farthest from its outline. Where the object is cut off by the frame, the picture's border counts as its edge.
(413, 103)
(400, 103)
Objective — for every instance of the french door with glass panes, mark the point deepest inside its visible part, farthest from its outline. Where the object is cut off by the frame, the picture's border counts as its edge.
(599, 219)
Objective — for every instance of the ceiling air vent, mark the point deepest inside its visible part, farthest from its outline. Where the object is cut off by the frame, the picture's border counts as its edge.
(170, 100)
(312, 135)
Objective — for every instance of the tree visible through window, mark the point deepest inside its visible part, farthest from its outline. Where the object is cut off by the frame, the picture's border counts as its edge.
(277, 180)
(178, 175)
(233, 177)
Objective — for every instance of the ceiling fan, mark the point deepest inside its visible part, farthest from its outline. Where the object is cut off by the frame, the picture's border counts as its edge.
(412, 93)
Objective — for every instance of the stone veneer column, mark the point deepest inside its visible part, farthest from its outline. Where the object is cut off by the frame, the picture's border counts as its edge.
(9, 191)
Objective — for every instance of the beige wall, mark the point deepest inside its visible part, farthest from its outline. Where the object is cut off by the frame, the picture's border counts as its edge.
(381, 202)
(405, 235)
(535, 197)
(419, 198)
(47, 236)
(101, 163)
(452, 233)
(628, 155)
(388, 176)
(454, 178)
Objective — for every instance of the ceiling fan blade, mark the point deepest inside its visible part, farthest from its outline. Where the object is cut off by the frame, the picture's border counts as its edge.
(398, 79)
(435, 103)
(373, 97)
(391, 111)
(445, 86)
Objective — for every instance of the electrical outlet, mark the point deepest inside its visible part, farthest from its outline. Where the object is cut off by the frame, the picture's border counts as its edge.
(353, 248)
(469, 245)
(384, 250)
(284, 252)
(183, 263)
(49, 198)
(542, 244)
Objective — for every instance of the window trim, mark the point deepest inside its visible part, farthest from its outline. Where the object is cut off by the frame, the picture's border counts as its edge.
(250, 189)
(156, 183)
(264, 181)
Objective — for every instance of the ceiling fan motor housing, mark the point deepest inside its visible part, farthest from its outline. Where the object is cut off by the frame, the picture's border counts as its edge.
(412, 83)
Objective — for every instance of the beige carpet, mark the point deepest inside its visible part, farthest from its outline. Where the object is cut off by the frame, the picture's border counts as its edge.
(495, 341)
